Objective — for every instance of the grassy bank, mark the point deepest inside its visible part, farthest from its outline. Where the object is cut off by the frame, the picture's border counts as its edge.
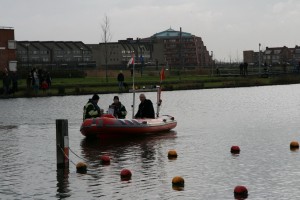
(89, 85)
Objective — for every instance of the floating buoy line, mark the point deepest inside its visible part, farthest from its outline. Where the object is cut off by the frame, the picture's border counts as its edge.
(177, 182)
(81, 167)
(294, 145)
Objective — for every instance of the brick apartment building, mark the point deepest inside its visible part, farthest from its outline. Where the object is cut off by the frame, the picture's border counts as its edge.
(7, 49)
(274, 56)
(176, 49)
(181, 49)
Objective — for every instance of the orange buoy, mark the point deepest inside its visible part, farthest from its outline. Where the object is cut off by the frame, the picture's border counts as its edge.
(235, 149)
(240, 192)
(105, 160)
(178, 181)
(81, 168)
(172, 154)
(294, 145)
(125, 174)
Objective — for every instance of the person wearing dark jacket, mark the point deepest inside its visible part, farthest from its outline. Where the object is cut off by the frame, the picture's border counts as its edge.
(119, 109)
(91, 109)
(120, 80)
(146, 109)
(6, 83)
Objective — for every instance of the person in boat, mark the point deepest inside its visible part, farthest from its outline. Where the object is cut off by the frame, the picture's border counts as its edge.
(146, 109)
(91, 109)
(119, 109)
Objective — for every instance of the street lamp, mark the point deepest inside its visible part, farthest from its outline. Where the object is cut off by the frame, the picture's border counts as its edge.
(212, 63)
(259, 62)
(81, 48)
(27, 49)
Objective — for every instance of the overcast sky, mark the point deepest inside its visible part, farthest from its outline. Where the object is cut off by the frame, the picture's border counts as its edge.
(227, 27)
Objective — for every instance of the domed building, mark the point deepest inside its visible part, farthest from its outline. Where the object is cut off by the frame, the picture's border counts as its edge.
(172, 48)
(180, 49)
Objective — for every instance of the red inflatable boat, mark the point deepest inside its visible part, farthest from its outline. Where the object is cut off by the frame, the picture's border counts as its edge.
(108, 126)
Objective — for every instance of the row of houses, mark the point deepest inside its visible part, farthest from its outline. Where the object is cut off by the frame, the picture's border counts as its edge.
(53, 54)
(173, 48)
(274, 56)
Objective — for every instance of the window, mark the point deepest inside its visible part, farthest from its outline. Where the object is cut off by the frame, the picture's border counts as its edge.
(12, 66)
(35, 59)
(45, 59)
(12, 44)
(277, 51)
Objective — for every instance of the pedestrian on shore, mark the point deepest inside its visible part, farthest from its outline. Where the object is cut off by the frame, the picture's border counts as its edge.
(44, 86)
(6, 83)
(35, 81)
(14, 79)
(245, 68)
(29, 80)
(242, 69)
(120, 79)
(131, 72)
(48, 79)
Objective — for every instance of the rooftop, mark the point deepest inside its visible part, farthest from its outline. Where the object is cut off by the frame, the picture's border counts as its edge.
(171, 33)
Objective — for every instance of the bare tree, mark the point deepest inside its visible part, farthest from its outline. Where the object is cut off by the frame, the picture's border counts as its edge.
(106, 38)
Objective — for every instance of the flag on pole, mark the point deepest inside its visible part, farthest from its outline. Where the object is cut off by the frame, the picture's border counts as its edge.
(162, 74)
(131, 61)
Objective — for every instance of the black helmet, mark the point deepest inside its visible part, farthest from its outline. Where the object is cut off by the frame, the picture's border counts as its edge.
(95, 97)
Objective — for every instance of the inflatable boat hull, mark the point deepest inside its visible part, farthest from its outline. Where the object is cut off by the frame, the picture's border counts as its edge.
(108, 126)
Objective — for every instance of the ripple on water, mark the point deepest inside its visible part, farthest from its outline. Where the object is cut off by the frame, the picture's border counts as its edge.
(257, 119)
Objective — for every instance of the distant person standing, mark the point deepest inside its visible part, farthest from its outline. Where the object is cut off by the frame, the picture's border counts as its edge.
(14, 79)
(6, 83)
(245, 68)
(48, 79)
(36, 81)
(29, 80)
(121, 80)
(131, 72)
(146, 109)
(242, 69)
(44, 86)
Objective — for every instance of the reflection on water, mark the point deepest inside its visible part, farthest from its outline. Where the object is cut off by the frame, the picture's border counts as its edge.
(7, 127)
(63, 190)
(262, 121)
(117, 149)
(103, 145)
(140, 150)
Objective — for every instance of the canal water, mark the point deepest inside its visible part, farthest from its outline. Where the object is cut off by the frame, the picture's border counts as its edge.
(262, 121)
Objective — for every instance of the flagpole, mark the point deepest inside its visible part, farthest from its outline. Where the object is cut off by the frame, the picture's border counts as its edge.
(162, 76)
(158, 100)
(133, 89)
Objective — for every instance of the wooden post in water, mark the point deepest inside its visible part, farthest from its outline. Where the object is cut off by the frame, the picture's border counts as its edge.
(62, 143)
